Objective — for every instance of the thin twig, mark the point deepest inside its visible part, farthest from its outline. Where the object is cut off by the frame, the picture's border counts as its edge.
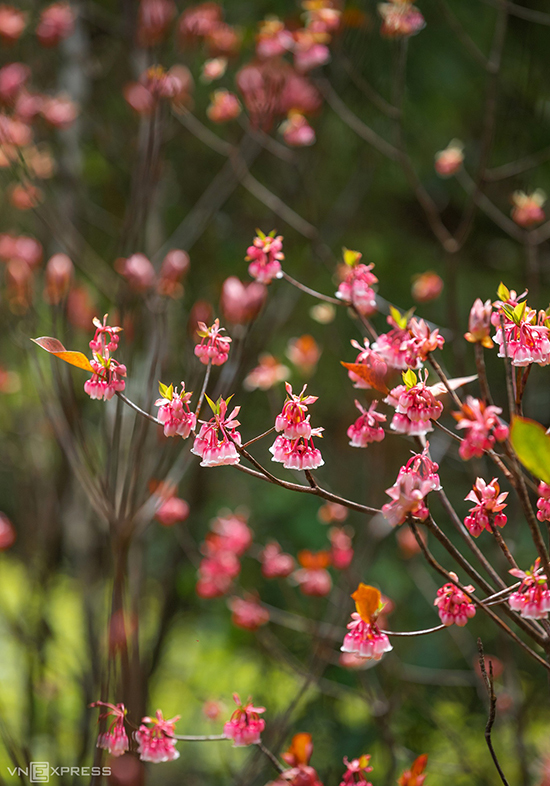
(489, 684)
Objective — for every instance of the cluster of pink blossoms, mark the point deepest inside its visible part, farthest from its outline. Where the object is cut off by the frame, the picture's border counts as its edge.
(415, 406)
(227, 541)
(313, 577)
(114, 740)
(487, 511)
(298, 756)
(108, 376)
(155, 739)
(356, 772)
(245, 725)
(213, 347)
(174, 412)
(482, 425)
(521, 333)
(275, 562)
(422, 341)
(215, 442)
(414, 482)
(248, 613)
(543, 502)
(454, 606)
(532, 599)
(401, 19)
(356, 288)
(265, 255)
(366, 428)
(294, 447)
(392, 346)
(365, 639)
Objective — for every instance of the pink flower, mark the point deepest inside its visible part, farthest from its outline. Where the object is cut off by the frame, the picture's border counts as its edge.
(56, 23)
(224, 106)
(422, 341)
(13, 78)
(59, 111)
(298, 756)
(532, 599)
(241, 303)
(527, 209)
(453, 605)
(212, 710)
(12, 23)
(356, 772)
(479, 323)
(414, 482)
(489, 504)
(273, 38)
(296, 131)
(304, 352)
(366, 428)
(108, 376)
(294, 448)
(174, 266)
(526, 334)
(115, 739)
(265, 255)
(400, 19)
(365, 638)
(268, 373)
(309, 53)
(245, 726)
(375, 366)
(341, 550)
(174, 411)
(248, 614)
(232, 533)
(483, 428)
(173, 510)
(58, 278)
(356, 288)
(213, 69)
(154, 20)
(415, 406)
(449, 161)
(213, 348)
(543, 502)
(426, 287)
(199, 20)
(216, 574)
(321, 17)
(155, 741)
(215, 442)
(293, 421)
(275, 563)
(138, 272)
(313, 577)
(7, 532)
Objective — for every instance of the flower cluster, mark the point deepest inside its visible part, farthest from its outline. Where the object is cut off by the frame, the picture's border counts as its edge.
(479, 323)
(265, 255)
(487, 511)
(543, 502)
(523, 336)
(155, 85)
(365, 638)
(527, 208)
(422, 341)
(247, 613)
(298, 756)
(174, 412)
(114, 740)
(356, 771)
(245, 725)
(400, 19)
(454, 606)
(366, 428)
(213, 347)
(415, 776)
(392, 346)
(108, 376)
(415, 406)
(155, 738)
(482, 426)
(294, 447)
(313, 577)
(227, 541)
(414, 482)
(532, 599)
(275, 562)
(356, 288)
(217, 439)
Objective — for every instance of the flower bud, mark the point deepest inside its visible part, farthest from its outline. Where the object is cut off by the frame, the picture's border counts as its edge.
(241, 303)
(527, 209)
(59, 275)
(479, 323)
(138, 272)
(12, 79)
(12, 24)
(427, 286)
(449, 161)
(7, 533)
(56, 23)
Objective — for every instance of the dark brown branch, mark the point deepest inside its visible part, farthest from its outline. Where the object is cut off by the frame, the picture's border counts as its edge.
(489, 684)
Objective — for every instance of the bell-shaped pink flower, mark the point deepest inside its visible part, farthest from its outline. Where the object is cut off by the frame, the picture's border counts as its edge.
(454, 606)
(296, 131)
(489, 504)
(366, 428)
(364, 638)
(265, 255)
(266, 374)
(155, 740)
(114, 740)
(173, 510)
(422, 341)
(532, 599)
(215, 442)
(356, 288)
(479, 323)
(174, 412)
(241, 303)
(414, 482)
(543, 502)
(356, 772)
(526, 335)
(245, 725)
(273, 39)
(248, 613)
(275, 563)
(482, 425)
(213, 347)
(341, 549)
(138, 272)
(392, 346)
(108, 376)
(415, 406)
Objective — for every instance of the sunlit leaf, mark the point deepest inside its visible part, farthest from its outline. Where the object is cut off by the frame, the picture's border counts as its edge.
(532, 446)
(367, 601)
(373, 372)
(351, 258)
(300, 749)
(55, 347)
(503, 292)
(409, 378)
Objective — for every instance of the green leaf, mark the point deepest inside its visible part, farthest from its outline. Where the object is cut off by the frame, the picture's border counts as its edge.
(260, 234)
(519, 311)
(532, 445)
(410, 379)
(503, 292)
(215, 407)
(165, 391)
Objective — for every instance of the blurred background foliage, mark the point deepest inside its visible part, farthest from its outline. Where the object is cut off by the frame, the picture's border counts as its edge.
(55, 585)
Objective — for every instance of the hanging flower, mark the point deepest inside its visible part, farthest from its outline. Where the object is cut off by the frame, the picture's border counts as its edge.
(532, 599)
(174, 412)
(454, 606)
(543, 502)
(414, 482)
(108, 376)
(356, 288)
(275, 563)
(265, 255)
(482, 426)
(422, 341)
(415, 405)
(115, 739)
(366, 428)
(489, 504)
(313, 577)
(527, 208)
(415, 776)
(213, 348)
(155, 742)
(479, 324)
(364, 637)
(215, 442)
(248, 614)
(356, 771)
(526, 335)
(400, 19)
(449, 161)
(298, 756)
(245, 726)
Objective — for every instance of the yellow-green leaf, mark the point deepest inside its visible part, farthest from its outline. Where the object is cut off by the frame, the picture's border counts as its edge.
(55, 347)
(532, 445)
(409, 378)
(503, 292)
(351, 258)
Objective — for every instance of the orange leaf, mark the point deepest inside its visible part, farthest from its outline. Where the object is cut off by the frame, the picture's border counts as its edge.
(367, 601)
(419, 764)
(373, 372)
(314, 560)
(55, 347)
(300, 749)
